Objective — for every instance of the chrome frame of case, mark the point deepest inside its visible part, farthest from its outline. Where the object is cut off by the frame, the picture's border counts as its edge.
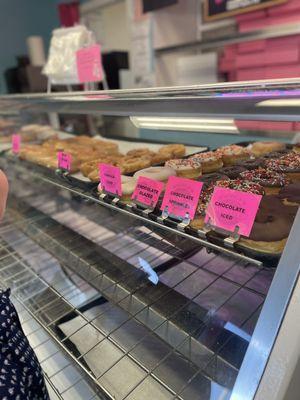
(271, 316)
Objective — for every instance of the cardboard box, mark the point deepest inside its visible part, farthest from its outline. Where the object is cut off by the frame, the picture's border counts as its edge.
(285, 55)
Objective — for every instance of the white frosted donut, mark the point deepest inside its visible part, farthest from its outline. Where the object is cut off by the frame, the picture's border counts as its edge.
(161, 174)
(128, 184)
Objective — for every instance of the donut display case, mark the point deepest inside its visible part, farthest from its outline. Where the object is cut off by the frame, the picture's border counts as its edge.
(129, 300)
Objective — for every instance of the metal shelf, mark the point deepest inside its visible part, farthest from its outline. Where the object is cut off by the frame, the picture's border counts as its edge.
(20, 167)
(241, 100)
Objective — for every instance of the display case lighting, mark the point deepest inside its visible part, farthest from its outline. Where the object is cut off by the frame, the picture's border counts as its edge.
(206, 125)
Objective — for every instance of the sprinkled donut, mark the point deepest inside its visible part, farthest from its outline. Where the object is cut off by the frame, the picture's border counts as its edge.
(233, 154)
(210, 161)
(187, 167)
(272, 181)
(288, 164)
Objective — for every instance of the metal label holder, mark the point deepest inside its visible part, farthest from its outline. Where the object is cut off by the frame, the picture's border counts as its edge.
(231, 237)
(138, 206)
(183, 222)
(106, 195)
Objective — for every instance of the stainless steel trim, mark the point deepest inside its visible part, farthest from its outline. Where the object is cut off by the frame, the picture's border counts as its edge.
(268, 324)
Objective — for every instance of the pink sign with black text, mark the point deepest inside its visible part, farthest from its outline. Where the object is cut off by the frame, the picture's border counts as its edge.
(181, 197)
(147, 191)
(64, 160)
(89, 64)
(229, 209)
(110, 178)
(16, 143)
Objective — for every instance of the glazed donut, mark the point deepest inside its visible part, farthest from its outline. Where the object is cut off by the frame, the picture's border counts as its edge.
(28, 150)
(290, 194)
(210, 161)
(271, 227)
(271, 181)
(232, 154)
(104, 145)
(161, 174)
(128, 184)
(260, 148)
(94, 175)
(132, 164)
(233, 172)
(87, 167)
(140, 153)
(296, 147)
(173, 150)
(288, 164)
(160, 158)
(185, 167)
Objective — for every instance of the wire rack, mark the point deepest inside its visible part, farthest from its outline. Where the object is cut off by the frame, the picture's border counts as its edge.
(183, 338)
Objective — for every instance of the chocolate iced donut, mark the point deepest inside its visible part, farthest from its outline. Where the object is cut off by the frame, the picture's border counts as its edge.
(252, 163)
(271, 181)
(277, 154)
(271, 227)
(208, 179)
(233, 172)
(290, 194)
(206, 193)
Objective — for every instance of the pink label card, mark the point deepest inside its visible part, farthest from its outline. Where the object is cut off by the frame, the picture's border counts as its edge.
(229, 209)
(64, 160)
(110, 178)
(89, 64)
(16, 143)
(147, 191)
(181, 197)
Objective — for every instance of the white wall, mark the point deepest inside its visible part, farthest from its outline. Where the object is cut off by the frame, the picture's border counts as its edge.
(109, 22)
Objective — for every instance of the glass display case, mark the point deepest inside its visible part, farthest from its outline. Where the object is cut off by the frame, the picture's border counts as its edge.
(129, 303)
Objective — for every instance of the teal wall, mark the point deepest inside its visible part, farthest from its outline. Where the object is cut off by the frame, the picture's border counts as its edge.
(19, 19)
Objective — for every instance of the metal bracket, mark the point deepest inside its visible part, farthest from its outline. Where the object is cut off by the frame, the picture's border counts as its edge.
(102, 196)
(146, 212)
(232, 239)
(163, 216)
(115, 201)
(184, 223)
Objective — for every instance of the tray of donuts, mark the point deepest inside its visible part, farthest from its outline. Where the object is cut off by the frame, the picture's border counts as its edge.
(87, 153)
(135, 156)
(273, 173)
(271, 169)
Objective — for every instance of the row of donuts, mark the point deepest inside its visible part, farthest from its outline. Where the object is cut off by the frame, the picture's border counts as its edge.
(87, 153)
(268, 168)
